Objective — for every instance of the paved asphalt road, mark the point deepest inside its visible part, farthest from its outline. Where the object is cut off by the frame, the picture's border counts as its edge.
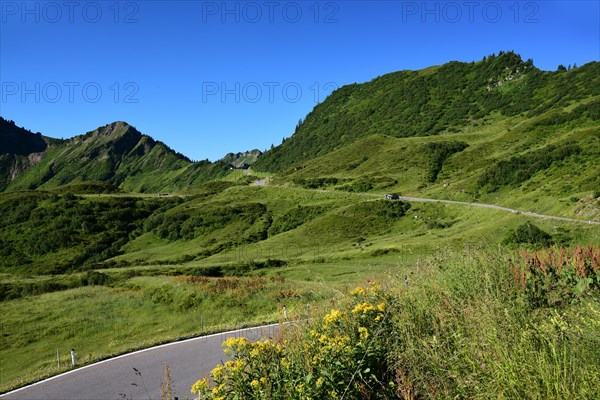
(188, 360)
(528, 213)
(465, 203)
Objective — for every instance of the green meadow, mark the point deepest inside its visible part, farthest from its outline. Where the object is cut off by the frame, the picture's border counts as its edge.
(299, 248)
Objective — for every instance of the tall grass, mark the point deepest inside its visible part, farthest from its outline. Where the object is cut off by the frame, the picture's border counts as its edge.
(470, 331)
(463, 329)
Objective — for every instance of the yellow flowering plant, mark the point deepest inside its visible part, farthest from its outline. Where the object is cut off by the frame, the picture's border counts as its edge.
(342, 353)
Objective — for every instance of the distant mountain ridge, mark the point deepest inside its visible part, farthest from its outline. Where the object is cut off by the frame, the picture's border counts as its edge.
(116, 153)
(243, 159)
(438, 102)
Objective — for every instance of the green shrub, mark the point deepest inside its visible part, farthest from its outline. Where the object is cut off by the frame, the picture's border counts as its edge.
(439, 152)
(383, 252)
(295, 217)
(188, 224)
(518, 169)
(93, 278)
(73, 232)
(528, 233)
(316, 183)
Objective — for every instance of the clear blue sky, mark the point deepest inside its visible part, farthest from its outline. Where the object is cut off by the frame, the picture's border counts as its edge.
(210, 77)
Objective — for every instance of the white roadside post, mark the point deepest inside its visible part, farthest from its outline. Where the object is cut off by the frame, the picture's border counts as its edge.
(73, 357)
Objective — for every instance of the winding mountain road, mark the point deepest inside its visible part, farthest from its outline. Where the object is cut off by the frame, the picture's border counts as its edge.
(116, 379)
(466, 203)
(527, 213)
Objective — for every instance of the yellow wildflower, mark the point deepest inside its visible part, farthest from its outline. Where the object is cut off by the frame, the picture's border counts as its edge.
(359, 291)
(363, 308)
(341, 341)
(254, 383)
(234, 344)
(333, 343)
(332, 317)
(200, 386)
(217, 372)
(238, 365)
(363, 333)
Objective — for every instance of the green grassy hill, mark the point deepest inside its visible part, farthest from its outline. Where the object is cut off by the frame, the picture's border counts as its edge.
(444, 99)
(498, 131)
(529, 163)
(121, 226)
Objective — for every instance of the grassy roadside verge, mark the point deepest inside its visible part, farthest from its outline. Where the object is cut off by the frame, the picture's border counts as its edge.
(488, 324)
(103, 321)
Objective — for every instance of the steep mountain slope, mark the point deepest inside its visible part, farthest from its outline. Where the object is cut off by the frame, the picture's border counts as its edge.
(432, 101)
(116, 153)
(19, 141)
(546, 163)
(19, 150)
(243, 159)
(500, 95)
